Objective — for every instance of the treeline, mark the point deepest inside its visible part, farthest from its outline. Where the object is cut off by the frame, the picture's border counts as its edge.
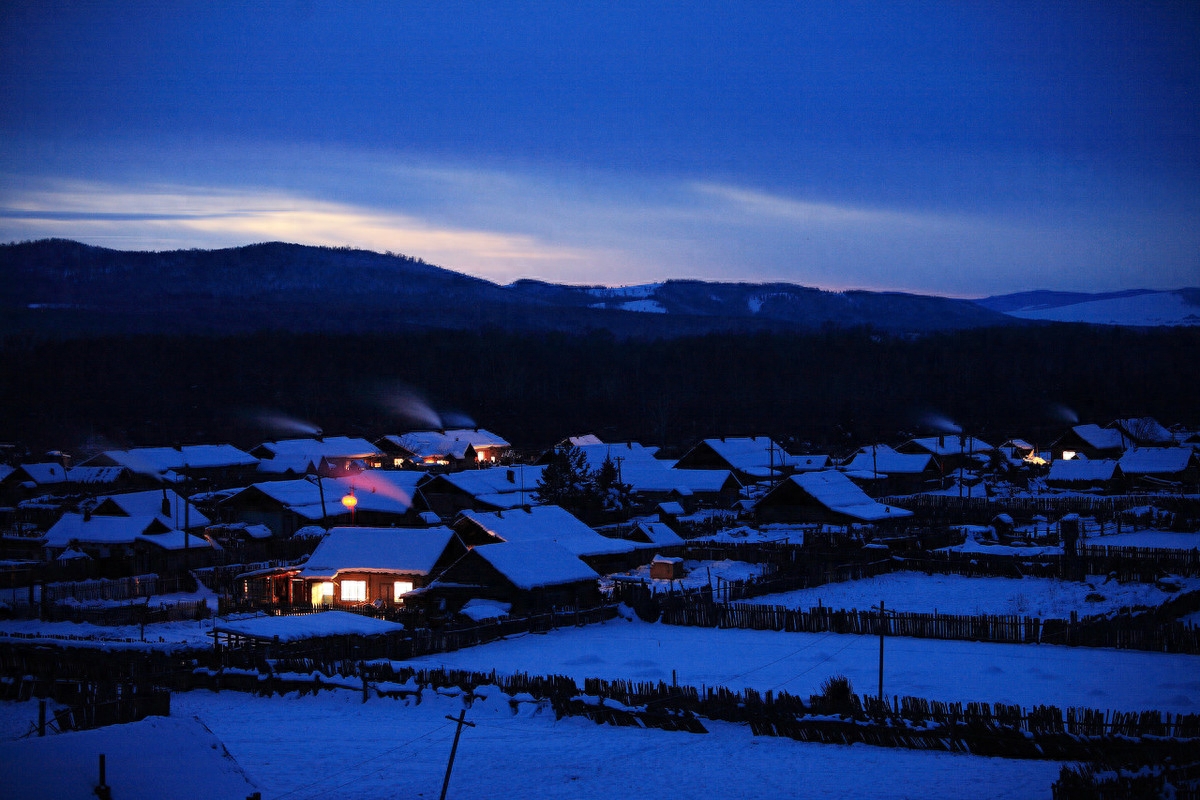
(827, 389)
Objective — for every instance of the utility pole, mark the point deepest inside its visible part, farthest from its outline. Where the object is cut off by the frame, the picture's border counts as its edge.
(454, 747)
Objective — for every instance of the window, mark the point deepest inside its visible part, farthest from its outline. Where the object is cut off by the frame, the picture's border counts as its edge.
(400, 588)
(322, 593)
(354, 591)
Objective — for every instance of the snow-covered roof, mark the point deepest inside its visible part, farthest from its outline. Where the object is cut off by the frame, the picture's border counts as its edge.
(584, 440)
(376, 490)
(660, 534)
(157, 461)
(1156, 460)
(295, 464)
(45, 474)
(535, 564)
(325, 447)
(518, 480)
(150, 503)
(547, 523)
(1082, 471)
(175, 540)
(884, 459)
(841, 495)
(1100, 438)
(450, 442)
(307, 626)
(100, 529)
(753, 455)
(644, 473)
(412, 551)
(1143, 430)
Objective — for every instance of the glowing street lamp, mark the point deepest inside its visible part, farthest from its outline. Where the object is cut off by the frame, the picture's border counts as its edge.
(350, 501)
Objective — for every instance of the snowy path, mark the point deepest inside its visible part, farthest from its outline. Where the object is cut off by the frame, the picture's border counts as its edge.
(797, 662)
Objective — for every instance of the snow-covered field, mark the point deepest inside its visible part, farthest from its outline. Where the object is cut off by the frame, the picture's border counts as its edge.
(956, 594)
(798, 662)
(1168, 540)
(389, 749)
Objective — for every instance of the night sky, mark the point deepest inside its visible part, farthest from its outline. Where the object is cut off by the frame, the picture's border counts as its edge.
(962, 149)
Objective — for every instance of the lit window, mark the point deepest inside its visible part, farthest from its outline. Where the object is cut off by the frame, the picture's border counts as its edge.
(397, 462)
(399, 589)
(322, 593)
(354, 591)
(1068, 455)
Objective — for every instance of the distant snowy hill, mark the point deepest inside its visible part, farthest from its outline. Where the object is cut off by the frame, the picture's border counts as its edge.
(1140, 307)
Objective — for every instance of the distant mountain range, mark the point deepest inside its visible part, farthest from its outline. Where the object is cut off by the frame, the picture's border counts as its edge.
(60, 287)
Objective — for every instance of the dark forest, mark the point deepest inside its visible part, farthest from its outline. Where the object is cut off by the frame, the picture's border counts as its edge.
(825, 390)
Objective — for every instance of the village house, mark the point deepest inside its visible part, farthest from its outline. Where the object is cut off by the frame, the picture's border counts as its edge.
(881, 471)
(1157, 468)
(166, 504)
(31, 480)
(531, 576)
(1142, 432)
(358, 566)
(333, 456)
(953, 452)
(824, 497)
(378, 498)
(750, 459)
(218, 464)
(451, 449)
(1089, 441)
(1081, 475)
(127, 545)
(489, 489)
(547, 523)
(652, 480)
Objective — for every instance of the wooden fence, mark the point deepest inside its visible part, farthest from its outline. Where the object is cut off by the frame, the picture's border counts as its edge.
(1041, 732)
(1145, 631)
(981, 510)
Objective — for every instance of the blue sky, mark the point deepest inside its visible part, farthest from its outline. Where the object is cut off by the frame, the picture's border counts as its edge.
(962, 149)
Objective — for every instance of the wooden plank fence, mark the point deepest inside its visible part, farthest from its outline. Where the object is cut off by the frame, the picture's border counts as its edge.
(1134, 632)
(1040, 732)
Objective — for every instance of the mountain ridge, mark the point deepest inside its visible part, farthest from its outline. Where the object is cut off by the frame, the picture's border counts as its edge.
(60, 287)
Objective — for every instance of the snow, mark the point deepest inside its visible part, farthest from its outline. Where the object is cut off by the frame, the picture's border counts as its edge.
(953, 671)
(697, 574)
(290, 629)
(412, 551)
(192, 762)
(479, 609)
(1046, 598)
(325, 447)
(1151, 309)
(644, 306)
(547, 523)
(399, 748)
(536, 563)
(1156, 460)
(841, 495)
(1167, 540)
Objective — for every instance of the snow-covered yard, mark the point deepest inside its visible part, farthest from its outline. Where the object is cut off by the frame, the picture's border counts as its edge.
(956, 594)
(317, 747)
(797, 662)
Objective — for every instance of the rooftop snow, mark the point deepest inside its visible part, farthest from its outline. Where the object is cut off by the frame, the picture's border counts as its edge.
(840, 494)
(534, 564)
(547, 523)
(411, 551)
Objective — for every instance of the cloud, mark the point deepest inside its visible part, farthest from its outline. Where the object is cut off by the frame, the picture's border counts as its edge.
(182, 216)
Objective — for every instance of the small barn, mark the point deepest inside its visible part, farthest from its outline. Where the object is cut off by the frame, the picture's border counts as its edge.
(547, 523)
(824, 497)
(1079, 474)
(532, 576)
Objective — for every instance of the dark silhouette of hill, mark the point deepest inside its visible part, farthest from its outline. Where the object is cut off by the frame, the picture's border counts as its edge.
(64, 288)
